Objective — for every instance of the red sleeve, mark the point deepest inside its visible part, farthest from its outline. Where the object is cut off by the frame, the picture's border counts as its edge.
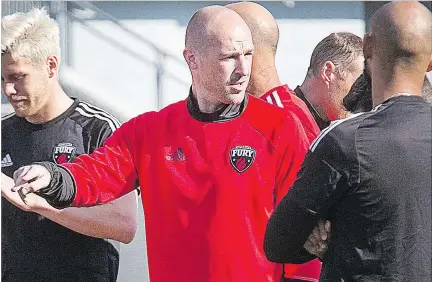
(305, 117)
(292, 147)
(107, 173)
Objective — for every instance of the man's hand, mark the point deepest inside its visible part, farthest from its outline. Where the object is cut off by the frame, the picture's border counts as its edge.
(29, 202)
(29, 179)
(317, 243)
(7, 183)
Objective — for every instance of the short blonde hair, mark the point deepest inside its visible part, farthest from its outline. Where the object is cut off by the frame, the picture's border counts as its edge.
(33, 35)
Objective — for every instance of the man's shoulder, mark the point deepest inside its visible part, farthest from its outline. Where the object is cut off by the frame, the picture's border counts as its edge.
(176, 106)
(172, 111)
(341, 131)
(11, 130)
(259, 109)
(93, 117)
(284, 97)
(270, 120)
(9, 121)
(158, 121)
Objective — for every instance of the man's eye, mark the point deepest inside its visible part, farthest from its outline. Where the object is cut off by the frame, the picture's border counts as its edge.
(18, 78)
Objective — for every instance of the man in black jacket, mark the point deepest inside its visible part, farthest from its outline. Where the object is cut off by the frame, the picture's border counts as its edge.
(370, 174)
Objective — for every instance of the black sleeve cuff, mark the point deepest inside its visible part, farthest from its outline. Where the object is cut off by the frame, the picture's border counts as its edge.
(304, 256)
(61, 191)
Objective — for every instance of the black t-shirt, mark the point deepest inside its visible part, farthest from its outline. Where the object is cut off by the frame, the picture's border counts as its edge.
(31, 243)
(370, 175)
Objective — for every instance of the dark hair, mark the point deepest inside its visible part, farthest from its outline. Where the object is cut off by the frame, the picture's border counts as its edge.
(359, 98)
(427, 90)
(341, 48)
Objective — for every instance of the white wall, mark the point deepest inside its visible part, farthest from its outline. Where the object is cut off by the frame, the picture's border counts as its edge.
(295, 48)
(135, 82)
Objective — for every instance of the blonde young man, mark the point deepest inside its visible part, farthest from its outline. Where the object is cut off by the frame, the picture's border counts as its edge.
(47, 125)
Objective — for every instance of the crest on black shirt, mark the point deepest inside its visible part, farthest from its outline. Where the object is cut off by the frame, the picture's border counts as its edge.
(63, 153)
(242, 157)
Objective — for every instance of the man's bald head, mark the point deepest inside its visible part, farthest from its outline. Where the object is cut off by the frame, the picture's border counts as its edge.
(402, 33)
(263, 26)
(398, 49)
(218, 52)
(208, 25)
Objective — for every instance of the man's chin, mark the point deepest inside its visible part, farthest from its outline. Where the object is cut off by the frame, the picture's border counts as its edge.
(236, 98)
(20, 112)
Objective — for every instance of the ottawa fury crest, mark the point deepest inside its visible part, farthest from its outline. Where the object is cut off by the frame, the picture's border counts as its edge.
(63, 153)
(242, 157)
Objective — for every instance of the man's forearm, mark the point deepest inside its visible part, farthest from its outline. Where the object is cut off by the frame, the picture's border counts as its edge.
(115, 220)
(287, 231)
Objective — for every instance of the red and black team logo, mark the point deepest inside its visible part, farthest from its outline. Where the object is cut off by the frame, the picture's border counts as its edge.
(63, 153)
(242, 157)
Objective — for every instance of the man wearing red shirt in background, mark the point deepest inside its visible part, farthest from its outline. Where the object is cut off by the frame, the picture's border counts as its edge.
(211, 168)
(265, 84)
(335, 64)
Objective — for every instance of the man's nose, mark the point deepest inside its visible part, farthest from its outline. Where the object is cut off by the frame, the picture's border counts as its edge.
(9, 89)
(243, 66)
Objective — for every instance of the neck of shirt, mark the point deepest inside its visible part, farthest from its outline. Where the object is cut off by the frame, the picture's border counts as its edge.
(226, 113)
(54, 120)
(318, 119)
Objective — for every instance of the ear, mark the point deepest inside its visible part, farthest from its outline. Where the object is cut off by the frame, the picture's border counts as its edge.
(367, 46)
(429, 68)
(53, 66)
(327, 71)
(190, 58)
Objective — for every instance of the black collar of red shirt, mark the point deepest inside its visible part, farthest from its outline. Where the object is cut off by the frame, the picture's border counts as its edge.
(318, 119)
(226, 113)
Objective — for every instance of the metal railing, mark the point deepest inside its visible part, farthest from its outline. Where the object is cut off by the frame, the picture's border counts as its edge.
(10, 7)
(65, 16)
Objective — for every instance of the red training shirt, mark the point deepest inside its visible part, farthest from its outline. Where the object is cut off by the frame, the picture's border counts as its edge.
(208, 186)
(284, 97)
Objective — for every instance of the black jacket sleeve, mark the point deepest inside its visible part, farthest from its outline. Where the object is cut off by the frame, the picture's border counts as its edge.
(61, 191)
(321, 182)
(282, 242)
